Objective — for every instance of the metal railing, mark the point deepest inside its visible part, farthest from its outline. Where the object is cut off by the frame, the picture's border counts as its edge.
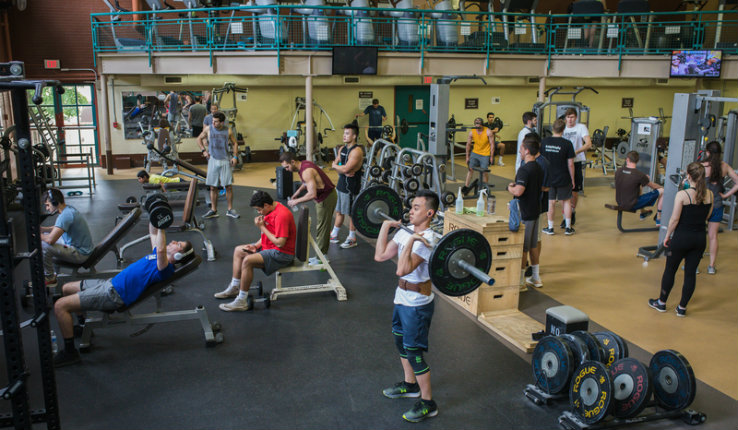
(315, 28)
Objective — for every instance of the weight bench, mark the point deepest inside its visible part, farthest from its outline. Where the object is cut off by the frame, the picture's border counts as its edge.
(107, 244)
(304, 242)
(211, 330)
(189, 222)
(620, 220)
(478, 184)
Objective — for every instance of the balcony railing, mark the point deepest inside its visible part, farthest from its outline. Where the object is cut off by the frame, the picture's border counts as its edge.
(316, 28)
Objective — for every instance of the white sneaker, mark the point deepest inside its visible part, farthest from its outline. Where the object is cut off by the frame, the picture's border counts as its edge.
(334, 239)
(236, 305)
(315, 261)
(534, 282)
(349, 243)
(231, 291)
(500, 163)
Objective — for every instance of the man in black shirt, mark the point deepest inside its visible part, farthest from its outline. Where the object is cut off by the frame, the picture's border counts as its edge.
(495, 124)
(560, 154)
(527, 189)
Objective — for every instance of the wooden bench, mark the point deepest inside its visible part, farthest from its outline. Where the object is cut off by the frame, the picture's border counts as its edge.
(620, 220)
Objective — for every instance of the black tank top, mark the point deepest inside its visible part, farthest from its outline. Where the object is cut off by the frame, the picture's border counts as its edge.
(693, 218)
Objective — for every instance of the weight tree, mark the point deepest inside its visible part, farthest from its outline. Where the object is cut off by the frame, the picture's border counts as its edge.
(11, 78)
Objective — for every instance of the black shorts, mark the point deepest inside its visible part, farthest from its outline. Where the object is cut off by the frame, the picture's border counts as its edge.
(578, 176)
(375, 132)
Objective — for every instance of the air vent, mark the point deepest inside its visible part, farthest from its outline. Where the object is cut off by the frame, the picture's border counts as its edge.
(534, 80)
(662, 81)
(350, 79)
(173, 79)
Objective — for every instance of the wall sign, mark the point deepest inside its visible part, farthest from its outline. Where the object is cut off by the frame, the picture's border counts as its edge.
(627, 102)
(471, 103)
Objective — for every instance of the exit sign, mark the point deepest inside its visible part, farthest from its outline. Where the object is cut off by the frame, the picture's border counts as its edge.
(52, 64)
(427, 79)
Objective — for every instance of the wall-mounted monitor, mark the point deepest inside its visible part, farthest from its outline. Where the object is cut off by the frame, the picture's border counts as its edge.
(695, 64)
(354, 60)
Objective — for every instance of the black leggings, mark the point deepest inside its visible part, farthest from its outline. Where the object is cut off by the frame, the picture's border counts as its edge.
(688, 246)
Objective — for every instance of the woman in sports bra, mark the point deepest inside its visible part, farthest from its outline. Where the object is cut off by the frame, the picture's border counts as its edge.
(685, 237)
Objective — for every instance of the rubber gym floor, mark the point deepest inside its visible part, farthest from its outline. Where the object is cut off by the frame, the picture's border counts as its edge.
(311, 362)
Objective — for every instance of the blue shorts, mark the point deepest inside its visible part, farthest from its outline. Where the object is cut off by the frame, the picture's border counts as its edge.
(413, 323)
(717, 214)
(647, 199)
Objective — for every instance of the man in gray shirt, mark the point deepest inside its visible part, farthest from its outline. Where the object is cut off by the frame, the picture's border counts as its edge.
(197, 115)
(213, 142)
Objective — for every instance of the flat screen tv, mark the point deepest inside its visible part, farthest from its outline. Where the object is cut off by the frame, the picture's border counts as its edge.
(695, 64)
(354, 60)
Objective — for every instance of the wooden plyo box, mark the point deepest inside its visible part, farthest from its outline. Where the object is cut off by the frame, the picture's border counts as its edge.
(494, 228)
(488, 299)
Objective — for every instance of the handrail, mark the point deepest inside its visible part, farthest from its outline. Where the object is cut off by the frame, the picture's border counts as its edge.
(464, 31)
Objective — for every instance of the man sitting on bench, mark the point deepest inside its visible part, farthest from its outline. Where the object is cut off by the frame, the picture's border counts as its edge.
(120, 291)
(628, 183)
(274, 249)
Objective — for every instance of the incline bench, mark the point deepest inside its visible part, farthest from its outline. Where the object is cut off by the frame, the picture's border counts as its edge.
(620, 220)
(188, 223)
(108, 244)
(303, 243)
(211, 331)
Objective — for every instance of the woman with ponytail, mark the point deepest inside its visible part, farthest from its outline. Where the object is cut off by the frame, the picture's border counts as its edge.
(685, 237)
(716, 170)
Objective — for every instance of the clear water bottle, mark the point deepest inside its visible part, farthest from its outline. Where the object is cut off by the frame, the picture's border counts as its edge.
(294, 208)
(54, 345)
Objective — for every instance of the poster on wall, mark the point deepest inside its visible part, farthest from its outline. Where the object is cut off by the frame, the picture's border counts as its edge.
(365, 99)
(471, 103)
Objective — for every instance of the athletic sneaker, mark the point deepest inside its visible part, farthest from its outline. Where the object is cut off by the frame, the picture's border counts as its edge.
(235, 305)
(534, 282)
(423, 409)
(681, 312)
(710, 270)
(334, 239)
(563, 224)
(569, 231)
(654, 303)
(231, 291)
(349, 243)
(645, 214)
(210, 214)
(50, 281)
(315, 261)
(66, 357)
(548, 230)
(233, 214)
(500, 163)
(402, 389)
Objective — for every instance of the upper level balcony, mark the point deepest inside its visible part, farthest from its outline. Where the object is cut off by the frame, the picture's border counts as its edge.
(279, 39)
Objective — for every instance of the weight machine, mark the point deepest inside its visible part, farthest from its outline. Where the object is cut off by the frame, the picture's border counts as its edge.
(694, 125)
(550, 110)
(294, 139)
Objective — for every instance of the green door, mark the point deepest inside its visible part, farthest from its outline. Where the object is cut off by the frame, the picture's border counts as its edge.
(412, 106)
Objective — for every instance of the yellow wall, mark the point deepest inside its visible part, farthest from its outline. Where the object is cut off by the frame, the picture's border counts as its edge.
(269, 108)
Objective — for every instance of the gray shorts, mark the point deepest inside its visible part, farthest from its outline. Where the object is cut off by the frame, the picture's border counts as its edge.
(559, 193)
(275, 259)
(480, 161)
(220, 173)
(344, 203)
(99, 295)
(530, 240)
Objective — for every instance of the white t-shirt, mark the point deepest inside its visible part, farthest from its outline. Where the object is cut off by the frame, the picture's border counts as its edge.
(575, 135)
(521, 135)
(420, 274)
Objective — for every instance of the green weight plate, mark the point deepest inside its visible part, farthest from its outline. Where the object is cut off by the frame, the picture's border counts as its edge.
(368, 202)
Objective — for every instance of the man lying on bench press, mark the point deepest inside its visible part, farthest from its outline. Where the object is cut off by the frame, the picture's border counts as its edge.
(122, 290)
(628, 183)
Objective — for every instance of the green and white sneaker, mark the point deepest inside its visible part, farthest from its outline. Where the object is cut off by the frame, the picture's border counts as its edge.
(423, 409)
(402, 389)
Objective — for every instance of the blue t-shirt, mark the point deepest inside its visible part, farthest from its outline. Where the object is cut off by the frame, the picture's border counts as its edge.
(207, 121)
(134, 279)
(375, 115)
(76, 232)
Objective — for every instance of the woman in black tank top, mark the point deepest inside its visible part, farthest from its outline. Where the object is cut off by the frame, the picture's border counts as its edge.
(685, 238)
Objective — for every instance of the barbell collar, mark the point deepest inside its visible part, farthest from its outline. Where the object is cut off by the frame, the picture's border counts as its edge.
(476, 272)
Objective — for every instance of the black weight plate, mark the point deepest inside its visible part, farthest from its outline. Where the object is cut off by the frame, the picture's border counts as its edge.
(631, 387)
(553, 364)
(416, 169)
(609, 341)
(578, 348)
(590, 391)
(380, 197)
(674, 384)
(131, 199)
(375, 171)
(462, 244)
(405, 171)
(406, 216)
(408, 200)
(596, 351)
(623, 346)
(386, 175)
(448, 198)
(411, 185)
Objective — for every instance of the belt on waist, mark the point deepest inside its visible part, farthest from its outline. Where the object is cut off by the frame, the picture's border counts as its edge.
(423, 288)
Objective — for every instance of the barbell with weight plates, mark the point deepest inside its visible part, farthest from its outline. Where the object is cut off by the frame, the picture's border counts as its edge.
(460, 260)
(160, 213)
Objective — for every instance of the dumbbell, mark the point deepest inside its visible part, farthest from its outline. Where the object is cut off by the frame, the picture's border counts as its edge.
(160, 213)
